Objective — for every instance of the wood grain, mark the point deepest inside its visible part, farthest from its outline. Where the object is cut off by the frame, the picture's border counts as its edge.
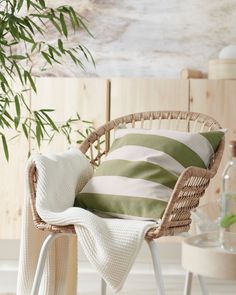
(68, 96)
(217, 99)
(12, 176)
(140, 95)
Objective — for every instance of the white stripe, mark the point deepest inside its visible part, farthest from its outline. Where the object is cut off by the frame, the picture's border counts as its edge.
(195, 141)
(139, 153)
(119, 185)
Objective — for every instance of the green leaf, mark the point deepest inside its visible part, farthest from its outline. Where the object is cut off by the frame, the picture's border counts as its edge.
(19, 5)
(47, 57)
(38, 133)
(74, 16)
(25, 130)
(63, 25)
(228, 220)
(29, 77)
(40, 30)
(18, 111)
(3, 79)
(28, 4)
(17, 57)
(5, 147)
(50, 121)
(18, 71)
(84, 50)
(60, 46)
(42, 3)
(52, 20)
(47, 110)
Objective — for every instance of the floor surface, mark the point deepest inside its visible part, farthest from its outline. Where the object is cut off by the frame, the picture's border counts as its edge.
(173, 285)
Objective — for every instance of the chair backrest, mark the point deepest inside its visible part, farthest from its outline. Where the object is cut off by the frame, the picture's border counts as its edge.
(190, 186)
(192, 183)
(97, 144)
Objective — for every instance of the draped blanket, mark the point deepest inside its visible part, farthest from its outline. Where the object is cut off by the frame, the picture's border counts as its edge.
(111, 245)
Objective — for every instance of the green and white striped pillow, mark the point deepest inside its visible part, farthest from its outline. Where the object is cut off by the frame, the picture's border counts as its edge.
(137, 177)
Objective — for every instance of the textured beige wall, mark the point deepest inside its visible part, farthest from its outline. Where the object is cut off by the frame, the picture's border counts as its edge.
(151, 38)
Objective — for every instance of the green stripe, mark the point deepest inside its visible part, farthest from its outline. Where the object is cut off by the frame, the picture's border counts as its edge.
(126, 205)
(176, 149)
(214, 138)
(138, 170)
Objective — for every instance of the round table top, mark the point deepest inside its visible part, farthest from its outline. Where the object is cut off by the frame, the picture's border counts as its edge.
(201, 254)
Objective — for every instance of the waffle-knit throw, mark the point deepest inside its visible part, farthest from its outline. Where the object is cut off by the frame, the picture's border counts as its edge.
(111, 245)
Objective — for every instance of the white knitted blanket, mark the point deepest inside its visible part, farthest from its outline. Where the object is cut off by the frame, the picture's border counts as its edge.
(111, 245)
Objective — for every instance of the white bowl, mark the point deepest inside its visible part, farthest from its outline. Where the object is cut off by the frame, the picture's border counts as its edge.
(228, 52)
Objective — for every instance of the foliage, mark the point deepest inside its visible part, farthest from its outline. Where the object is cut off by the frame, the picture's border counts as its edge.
(228, 220)
(20, 23)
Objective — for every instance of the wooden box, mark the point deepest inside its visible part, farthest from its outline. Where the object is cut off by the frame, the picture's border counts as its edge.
(222, 69)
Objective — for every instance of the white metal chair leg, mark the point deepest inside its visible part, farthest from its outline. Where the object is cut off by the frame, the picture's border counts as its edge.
(103, 287)
(188, 283)
(41, 262)
(157, 266)
(203, 285)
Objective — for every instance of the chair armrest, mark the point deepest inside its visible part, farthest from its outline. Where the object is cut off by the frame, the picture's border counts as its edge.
(186, 195)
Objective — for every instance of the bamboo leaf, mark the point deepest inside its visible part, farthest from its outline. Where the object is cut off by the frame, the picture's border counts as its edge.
(40, 30)
(18, 71)
(19, 5)
(52, 20)
(46, 56)
(17, 57)
(85, 49)
(5, 147)
(3, 79)
(50, 121)
(25, 130)
(74, 16)
(29, 77)
(38, 133)
(28, 4)
(42, 3)
(60, 46)
(63, 25)
(18, 112)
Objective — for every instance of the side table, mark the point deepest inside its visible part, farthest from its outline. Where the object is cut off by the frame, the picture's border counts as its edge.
(202, 259)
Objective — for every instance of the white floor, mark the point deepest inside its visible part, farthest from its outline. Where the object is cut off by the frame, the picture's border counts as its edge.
(173, 285)
(140, 280)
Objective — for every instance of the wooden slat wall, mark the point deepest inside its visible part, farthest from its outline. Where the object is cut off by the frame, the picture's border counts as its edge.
(11, 181)
(88, 97)
(217, 99)
(139, 95)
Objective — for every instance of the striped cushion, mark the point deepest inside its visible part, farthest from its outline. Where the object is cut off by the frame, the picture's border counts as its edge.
(137, 177)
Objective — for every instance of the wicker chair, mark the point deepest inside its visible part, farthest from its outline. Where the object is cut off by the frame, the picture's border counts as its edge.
(188, 190)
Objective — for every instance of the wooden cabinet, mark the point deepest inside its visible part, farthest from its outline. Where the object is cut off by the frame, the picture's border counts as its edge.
(98, 100)
(216, 98)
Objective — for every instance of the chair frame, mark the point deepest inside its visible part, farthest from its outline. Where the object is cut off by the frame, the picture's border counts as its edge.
(188, 190)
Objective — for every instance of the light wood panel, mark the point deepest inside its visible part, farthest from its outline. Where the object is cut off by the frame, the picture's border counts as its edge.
(67, 96)
(217, 99)
(12, 177)
(138, 95)
(88, 97)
